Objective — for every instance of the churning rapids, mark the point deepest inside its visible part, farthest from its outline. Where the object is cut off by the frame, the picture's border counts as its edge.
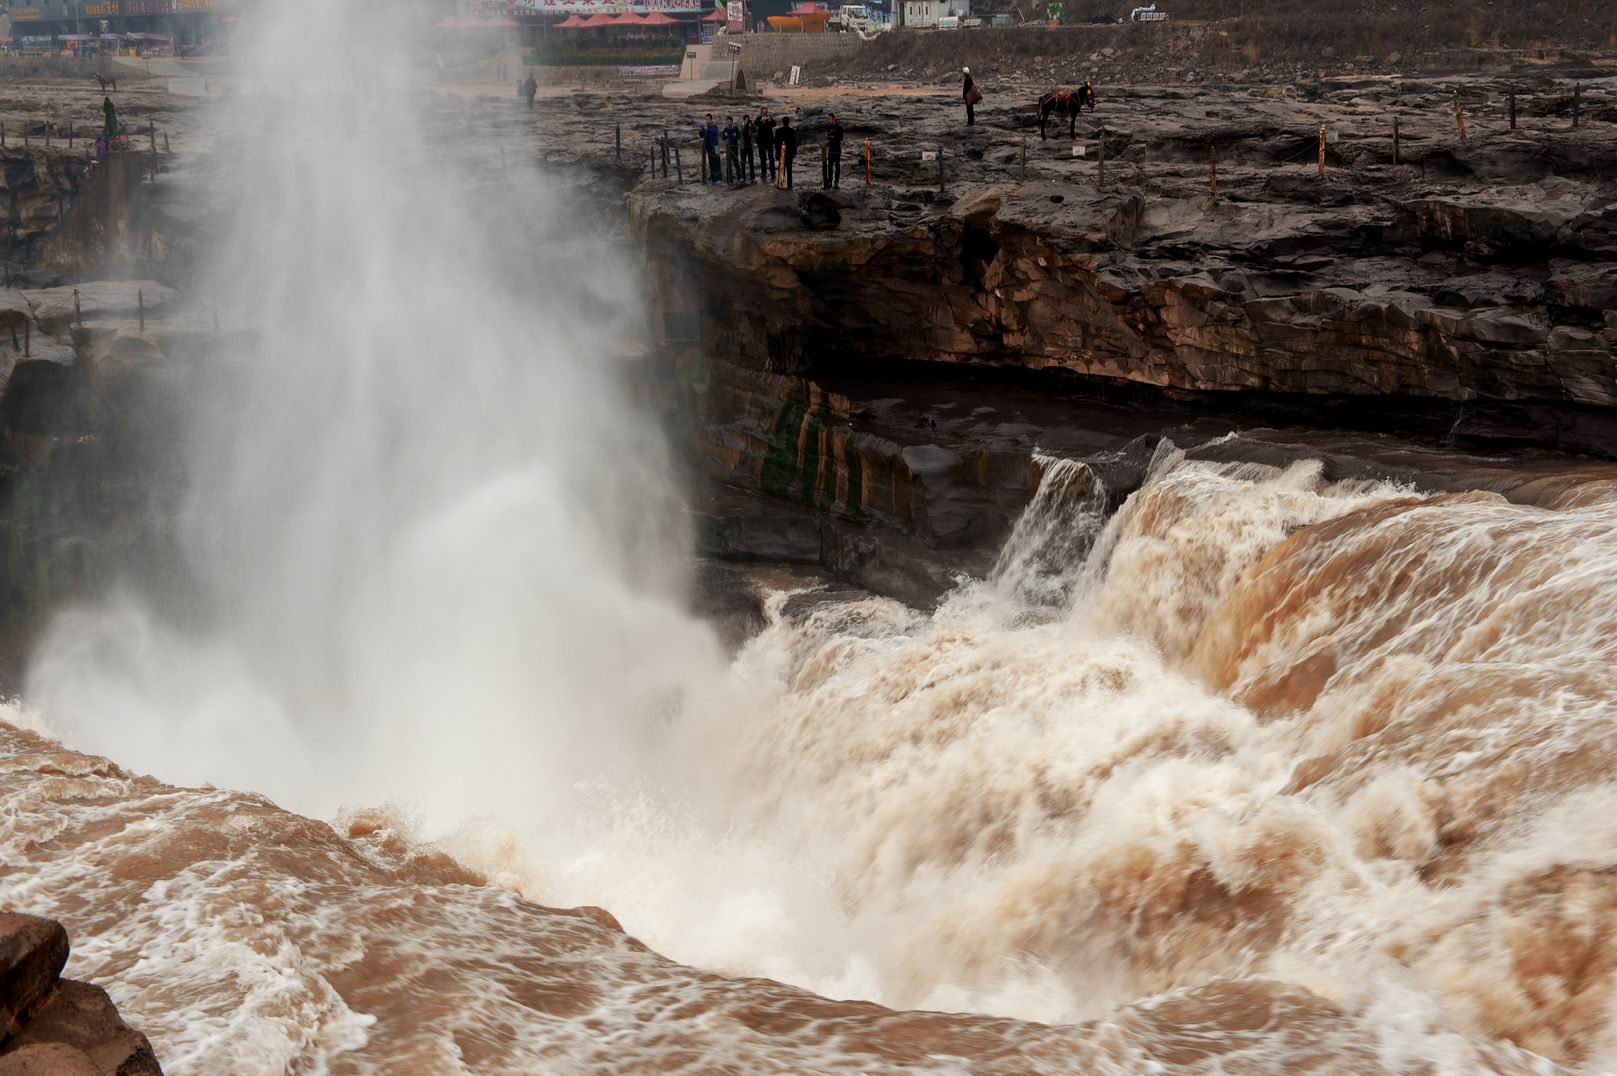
(1261, 773)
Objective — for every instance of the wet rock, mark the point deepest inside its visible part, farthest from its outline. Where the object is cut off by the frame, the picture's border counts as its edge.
(33, 952)
(84, 1018)
(47, 1059)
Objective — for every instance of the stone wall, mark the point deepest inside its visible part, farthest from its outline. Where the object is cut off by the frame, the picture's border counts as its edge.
(762, 55)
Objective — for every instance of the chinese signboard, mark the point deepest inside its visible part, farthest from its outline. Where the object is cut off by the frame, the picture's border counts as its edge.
(735, 19)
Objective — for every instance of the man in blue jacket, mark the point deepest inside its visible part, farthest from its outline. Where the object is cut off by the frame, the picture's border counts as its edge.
(709, 133)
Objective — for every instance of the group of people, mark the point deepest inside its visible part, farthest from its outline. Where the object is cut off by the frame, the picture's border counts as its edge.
(759, 149)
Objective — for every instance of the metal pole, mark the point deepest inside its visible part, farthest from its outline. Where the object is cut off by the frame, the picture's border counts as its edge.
(665, 153)
(617, 141)
(1513, 109)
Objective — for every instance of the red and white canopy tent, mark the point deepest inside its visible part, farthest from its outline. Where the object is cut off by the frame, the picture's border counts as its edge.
(715, 16)
(571, 22)
(657, 18)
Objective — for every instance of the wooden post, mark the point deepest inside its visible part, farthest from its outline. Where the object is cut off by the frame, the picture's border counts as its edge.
(617, 141)
(1577, 104)
(1397, 146)
(78, 309)
(1322, 151)
(140, 305)
(1459, 115)
(1212, 174)
(1103, 158)
(679, 168)
(1513, 108)
(665, 153)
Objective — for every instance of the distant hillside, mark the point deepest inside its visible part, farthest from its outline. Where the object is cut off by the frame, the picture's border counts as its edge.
(1281, 40)
(1399, 24)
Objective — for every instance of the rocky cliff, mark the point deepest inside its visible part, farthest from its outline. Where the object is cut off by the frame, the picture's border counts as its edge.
(1463, 294)
(50, 1026)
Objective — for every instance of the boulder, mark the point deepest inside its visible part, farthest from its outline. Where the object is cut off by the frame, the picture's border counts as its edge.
(33, 952)
(83, 1017)
(47, 1059)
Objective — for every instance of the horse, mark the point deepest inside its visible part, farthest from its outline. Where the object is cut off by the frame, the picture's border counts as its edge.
(1063, 103)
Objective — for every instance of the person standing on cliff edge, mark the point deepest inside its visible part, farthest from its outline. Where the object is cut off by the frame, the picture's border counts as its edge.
(970, 94)
(788, 146)
(766, 145)
(833, 151)
(110, 111)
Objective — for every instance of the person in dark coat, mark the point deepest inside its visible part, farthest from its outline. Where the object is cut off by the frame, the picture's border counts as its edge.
(110, 111)
(746, 148)
(530, 88)
(833, 151)
(966, 95)
(766, 144)
(709, 134)
(732, 149)
(788, 141)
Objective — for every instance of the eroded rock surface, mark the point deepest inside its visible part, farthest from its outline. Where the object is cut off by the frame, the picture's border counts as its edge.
(50, 1026)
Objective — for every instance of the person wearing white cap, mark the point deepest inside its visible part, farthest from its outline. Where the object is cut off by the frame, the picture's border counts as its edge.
(969, 94)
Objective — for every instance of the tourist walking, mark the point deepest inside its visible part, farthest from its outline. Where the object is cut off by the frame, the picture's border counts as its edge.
(788, 148)
(833, 151)
(530, 88)
(970, 94)
(746, 148)
(709, 133)
(766, 144)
